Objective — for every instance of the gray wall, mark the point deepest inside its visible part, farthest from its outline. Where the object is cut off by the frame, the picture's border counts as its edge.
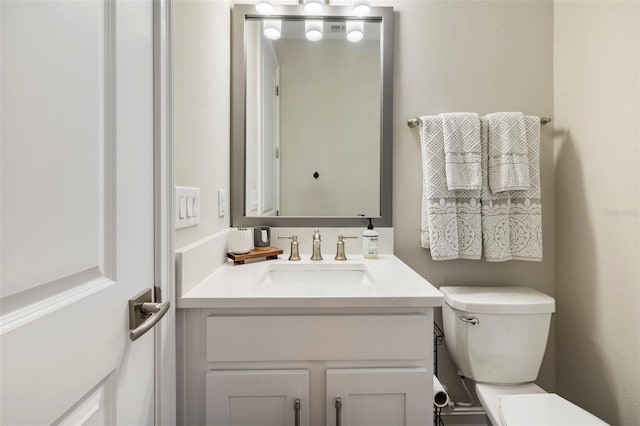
(471, 56)
(597, 104)
(202, 36)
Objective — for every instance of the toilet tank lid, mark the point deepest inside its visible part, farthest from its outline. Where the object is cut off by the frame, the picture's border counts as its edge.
(498, 300)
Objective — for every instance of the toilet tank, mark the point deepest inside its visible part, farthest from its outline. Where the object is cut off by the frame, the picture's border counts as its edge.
(497, 334)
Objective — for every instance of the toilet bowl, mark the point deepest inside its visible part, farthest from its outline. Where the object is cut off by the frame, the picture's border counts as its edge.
(497, 336)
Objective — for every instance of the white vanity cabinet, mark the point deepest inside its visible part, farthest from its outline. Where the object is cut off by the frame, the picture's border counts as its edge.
(249, 368)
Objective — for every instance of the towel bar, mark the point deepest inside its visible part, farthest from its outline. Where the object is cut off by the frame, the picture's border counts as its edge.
(415, 121)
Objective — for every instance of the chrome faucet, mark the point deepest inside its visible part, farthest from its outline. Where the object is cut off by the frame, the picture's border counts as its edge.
(295, 253)
(316, 254)
(340, 253)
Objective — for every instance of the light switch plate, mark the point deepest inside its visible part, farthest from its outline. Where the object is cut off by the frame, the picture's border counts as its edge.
(187, 206)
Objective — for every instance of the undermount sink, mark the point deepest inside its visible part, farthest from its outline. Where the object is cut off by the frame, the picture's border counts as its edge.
(325, 275)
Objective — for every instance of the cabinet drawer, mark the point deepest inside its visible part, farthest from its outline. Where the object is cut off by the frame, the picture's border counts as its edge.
(319, 337)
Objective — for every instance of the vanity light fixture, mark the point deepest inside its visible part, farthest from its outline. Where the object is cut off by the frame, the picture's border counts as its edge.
(355, 31)
(361, 7)
(272, 28)
(313, 29)
(265, 7)
(313, 6)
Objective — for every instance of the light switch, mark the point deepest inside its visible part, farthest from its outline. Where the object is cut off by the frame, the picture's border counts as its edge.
(196, 206)
(182, 207)
(222, 202)
(189, 207)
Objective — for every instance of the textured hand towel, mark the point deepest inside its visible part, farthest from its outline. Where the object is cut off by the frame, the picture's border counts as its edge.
(508, 159)
(512, 220)
(462, 150)
(451, 225)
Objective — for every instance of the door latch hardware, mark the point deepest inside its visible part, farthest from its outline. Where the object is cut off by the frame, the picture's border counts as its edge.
(144, 314)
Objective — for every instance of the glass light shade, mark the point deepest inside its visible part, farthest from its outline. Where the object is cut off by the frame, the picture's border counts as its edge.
(265, 7)
(355, 31)
(272, 28)
(313, 6)
(361, 7)
(313, 29)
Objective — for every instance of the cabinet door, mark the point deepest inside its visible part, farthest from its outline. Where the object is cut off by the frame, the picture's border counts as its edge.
(379, 397)
(257, 397)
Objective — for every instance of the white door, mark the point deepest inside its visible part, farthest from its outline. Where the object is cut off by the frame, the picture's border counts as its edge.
(257, 397)
(77, 227)
(379, 397)
(270, 135)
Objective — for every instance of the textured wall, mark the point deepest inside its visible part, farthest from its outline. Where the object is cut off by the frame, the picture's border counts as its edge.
(202, 34)
(482, 57)
(597, 104)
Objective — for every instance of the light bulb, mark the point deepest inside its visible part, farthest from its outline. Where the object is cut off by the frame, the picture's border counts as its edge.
(361, 7)
(355, 31)
(313, 29)
(272, 28)
(313, 6)
(266, 7)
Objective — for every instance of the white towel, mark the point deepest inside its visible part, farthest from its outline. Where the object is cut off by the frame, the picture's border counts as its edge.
(508, 158)
(462, 150)
(451, 224)
(512, 220)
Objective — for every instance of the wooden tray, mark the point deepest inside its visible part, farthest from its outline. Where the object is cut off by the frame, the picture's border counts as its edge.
(267, 252)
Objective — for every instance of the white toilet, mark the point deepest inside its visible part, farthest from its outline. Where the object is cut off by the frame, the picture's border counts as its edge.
(497, 337)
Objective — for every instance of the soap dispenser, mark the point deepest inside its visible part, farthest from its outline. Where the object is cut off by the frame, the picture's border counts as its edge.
(370, 242)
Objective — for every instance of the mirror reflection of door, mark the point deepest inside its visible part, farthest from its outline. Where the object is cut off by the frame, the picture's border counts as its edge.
(269, 142)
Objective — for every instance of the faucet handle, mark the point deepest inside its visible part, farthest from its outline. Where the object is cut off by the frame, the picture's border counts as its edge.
(295, 250)
(340, 254)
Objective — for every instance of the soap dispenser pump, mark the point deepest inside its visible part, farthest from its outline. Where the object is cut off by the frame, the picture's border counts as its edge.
(370, 241)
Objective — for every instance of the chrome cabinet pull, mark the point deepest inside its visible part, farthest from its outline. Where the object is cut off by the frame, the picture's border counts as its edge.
(338, 411)
(144, 314)
(296, 410)
(472, 321)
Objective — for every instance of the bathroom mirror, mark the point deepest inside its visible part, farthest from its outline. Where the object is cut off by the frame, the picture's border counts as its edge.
(311, 119)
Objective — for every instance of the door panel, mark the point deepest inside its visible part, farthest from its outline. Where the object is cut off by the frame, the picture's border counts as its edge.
(379, 396)
(93, 410)
(77, 211)
(52, 101)
(257, 397)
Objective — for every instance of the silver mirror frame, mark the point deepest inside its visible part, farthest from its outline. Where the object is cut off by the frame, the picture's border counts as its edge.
(238, 119)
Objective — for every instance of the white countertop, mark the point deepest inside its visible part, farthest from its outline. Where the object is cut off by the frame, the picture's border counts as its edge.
(240, 286)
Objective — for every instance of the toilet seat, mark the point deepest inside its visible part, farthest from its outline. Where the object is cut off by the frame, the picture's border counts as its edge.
(488, 395)
(529, 405)
(544, 409)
